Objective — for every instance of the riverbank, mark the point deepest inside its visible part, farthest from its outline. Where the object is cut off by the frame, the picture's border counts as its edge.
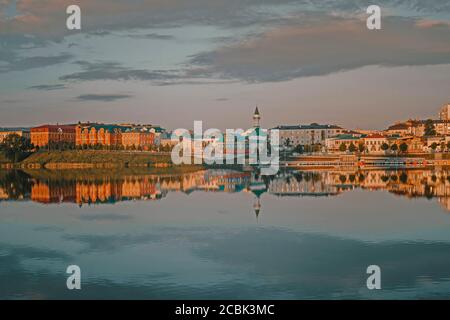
(90, 159)
(113, 159)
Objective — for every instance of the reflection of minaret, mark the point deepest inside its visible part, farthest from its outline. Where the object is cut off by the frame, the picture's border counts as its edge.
(257, 207)
(256, 118)
(257, 187)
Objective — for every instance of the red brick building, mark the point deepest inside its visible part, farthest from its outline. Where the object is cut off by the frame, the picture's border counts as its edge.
(99, 134)
(138, 138)
(44, 135)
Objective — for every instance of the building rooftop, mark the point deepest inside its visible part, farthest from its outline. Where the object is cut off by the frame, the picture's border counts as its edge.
(375, 136)
(399, 126)
(311, 126)
(345, 137)
(107, 127)
(54, 126)
(14, 129)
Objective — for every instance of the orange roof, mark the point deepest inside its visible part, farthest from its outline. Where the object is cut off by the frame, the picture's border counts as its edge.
(375, 136)
(53, 127)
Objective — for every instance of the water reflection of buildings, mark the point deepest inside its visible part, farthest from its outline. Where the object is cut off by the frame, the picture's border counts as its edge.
(102, 189)
(141, 187)
(303, 184)
(411, 184)
(3, 194)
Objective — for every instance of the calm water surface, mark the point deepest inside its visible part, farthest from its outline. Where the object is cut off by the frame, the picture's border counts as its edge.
(222, 234)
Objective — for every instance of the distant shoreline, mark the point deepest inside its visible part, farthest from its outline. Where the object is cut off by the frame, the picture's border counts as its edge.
(115, 159)
(90, 159)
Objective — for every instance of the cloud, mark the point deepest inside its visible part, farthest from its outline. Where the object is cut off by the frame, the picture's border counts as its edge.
(46, 21)
(102, 97)
(152, 36)
(98, 33)
(48, 17)
(115, 71)
(27, 63)
(48, 87)
(323, 44)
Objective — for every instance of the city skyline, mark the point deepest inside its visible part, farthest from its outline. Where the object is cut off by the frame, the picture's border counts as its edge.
(214, 61)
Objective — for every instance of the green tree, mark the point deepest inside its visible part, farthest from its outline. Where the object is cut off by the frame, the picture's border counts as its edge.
(404, 147)
(343, 147)
(16, 147)
(352, 148)
(287, 143)
(298, 148)
(385, 147)
(430, 129)
(404, 177)
(434, 146)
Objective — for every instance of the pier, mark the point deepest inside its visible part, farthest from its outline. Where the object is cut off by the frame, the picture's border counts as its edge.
(363, 162)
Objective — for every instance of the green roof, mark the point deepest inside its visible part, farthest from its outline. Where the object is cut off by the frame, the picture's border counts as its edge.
(345, 137)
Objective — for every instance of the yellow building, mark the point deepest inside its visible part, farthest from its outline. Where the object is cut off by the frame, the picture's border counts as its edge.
(4, 132)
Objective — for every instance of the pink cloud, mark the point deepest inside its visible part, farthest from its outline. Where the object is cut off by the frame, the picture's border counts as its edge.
(432, 24)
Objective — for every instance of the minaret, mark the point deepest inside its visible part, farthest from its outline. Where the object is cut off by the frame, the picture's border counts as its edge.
(256, 118)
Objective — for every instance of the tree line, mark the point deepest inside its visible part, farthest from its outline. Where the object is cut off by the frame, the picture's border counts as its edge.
(16, 148)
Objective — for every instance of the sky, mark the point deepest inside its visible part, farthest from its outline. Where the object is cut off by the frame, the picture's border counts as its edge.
(170, 62)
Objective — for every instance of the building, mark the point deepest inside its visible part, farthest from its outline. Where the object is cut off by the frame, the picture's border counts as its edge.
(373, 143)
(158, 134)
(23, 132)
(417, 128)
(437, 141)
(99, 134)
(334, 144)
(138, 138)
(47, 134)
(415, 144)
(444, 114)
(307, 135)
(126, 135)
(399, 129)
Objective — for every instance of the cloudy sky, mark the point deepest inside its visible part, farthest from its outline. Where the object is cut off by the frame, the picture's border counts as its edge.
(171, 62)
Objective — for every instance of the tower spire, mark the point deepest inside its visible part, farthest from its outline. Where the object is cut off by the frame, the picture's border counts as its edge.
(256, 118)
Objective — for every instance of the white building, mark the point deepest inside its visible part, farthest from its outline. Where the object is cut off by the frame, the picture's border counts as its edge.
(373, 143)
(307, 135)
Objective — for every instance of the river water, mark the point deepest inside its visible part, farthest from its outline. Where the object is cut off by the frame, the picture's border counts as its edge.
(224, 234)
